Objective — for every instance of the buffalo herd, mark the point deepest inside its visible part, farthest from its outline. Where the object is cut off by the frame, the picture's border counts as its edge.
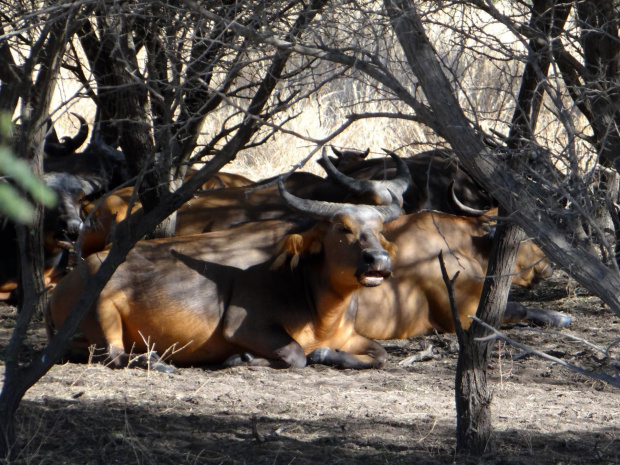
(276, 272)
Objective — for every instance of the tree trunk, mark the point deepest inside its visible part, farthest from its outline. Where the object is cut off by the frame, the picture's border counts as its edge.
(473, 398)
(10, 75)
(32, 296)
(35, 100)
(124, 100)
(472, 395)
(9, 401)
(599, 22)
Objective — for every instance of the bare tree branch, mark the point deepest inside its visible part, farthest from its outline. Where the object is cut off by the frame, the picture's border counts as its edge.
(607, 378)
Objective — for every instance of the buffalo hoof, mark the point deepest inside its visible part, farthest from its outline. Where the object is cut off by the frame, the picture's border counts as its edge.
(238, 360)
(153, 362)
(320, 356)
(515, 313)
(164, 368)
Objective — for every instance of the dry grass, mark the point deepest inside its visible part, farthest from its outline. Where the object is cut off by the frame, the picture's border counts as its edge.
(474, 50)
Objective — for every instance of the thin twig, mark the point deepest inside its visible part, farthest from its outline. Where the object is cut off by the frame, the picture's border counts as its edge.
(605, 377)
(450, 287)
(568, 336)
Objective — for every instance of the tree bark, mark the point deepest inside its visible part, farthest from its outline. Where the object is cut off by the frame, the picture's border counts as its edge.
(124, 100)
(36, 99)
(472, 395)
(599, 21)
(11, 77)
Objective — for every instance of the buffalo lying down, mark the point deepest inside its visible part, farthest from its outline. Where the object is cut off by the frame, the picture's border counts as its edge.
(171, 293)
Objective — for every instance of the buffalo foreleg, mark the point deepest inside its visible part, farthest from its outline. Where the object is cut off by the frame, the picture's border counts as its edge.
(517, 313)
(116, 357)
(358, 353)
(271, 347)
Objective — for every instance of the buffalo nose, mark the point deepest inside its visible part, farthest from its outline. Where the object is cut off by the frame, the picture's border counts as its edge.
(376, 259)
(70, 226)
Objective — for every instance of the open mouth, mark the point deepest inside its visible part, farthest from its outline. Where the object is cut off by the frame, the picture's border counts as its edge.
(372, 278)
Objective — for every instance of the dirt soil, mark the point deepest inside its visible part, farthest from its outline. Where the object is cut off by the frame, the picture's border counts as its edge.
(543, 413)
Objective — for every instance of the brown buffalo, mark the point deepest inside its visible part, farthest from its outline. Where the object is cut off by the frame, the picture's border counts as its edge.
(223, 180)
(415, 301)
(172, 295)
(207, 211)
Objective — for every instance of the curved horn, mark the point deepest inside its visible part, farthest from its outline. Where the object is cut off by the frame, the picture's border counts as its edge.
(392, 211)
(321, 210)
(401, 181)
(69, 145)
(75, 143)
(464, 209)
(52, 135)
(315, 208)
(357, 186)
(362, 187)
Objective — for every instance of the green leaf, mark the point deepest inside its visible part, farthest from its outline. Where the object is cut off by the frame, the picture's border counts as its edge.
(6, 126)
(20, 172)
(12, 203)
(14, 206)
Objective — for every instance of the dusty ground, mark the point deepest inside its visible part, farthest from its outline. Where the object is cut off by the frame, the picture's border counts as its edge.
(542, 413)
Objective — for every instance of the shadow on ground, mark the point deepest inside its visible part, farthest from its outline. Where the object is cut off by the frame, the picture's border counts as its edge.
(74, 432)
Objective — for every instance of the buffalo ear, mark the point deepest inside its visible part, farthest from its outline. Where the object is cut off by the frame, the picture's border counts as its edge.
(389, 246)
(337, 152)
(294, 246)
(490, 229)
